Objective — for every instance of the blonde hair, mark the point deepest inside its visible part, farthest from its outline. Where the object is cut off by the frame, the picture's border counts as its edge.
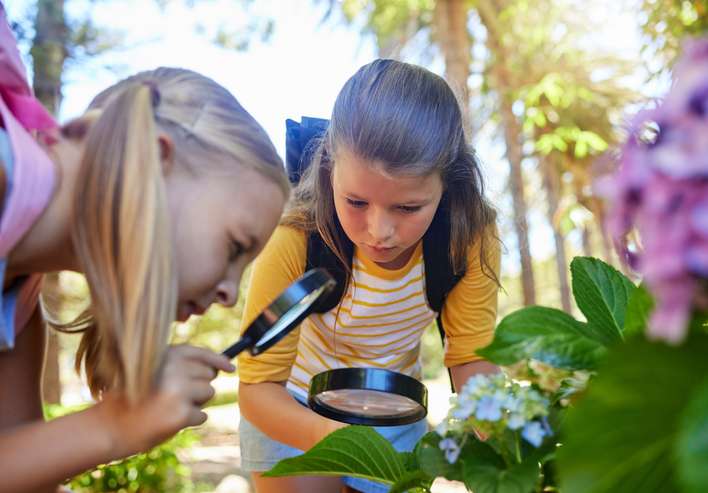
(121, 231)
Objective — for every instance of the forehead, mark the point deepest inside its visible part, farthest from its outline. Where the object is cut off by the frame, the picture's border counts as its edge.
(371, 179)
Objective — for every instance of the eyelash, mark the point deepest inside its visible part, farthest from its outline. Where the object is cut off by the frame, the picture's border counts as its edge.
(358, 204)
(235, 250)
(406, 209)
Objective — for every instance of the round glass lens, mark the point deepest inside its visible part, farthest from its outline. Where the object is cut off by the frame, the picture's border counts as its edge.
(367, 403)
(292, 314)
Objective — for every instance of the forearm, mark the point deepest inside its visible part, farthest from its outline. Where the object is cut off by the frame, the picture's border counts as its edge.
(461, 373)
(258, 402)
(37, 456)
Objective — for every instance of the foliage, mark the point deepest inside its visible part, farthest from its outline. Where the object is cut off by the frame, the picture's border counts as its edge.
(666, 23)
(521, 421)
(155, 471)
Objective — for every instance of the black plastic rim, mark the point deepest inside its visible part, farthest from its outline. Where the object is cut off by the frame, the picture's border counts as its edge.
(374, 379)
(310, 282)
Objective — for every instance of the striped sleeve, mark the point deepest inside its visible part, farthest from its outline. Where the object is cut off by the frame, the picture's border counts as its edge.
(470, 311)
(280, 263)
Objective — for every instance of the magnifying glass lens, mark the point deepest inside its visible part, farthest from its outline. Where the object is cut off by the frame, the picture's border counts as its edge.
(290, 316)
(367, 403)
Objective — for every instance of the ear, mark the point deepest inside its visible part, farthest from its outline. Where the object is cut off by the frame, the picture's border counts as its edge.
(167, 153)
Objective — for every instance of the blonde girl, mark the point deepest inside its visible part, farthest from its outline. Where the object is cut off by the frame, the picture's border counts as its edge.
(160, 194)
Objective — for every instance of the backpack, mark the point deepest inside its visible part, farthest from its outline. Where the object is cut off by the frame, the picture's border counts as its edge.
(301, 141)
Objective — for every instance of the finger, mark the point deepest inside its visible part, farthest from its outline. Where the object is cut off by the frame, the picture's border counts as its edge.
(199, 371)
(200, 393)
(196, 417)
(215, 360)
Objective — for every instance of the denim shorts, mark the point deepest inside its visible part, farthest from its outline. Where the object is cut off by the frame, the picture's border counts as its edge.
(260, 453)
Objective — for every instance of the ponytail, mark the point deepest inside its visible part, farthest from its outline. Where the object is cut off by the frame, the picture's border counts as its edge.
(122, 239)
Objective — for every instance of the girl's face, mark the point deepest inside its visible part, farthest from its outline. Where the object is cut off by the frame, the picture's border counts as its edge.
(219, 224)
(384, 216)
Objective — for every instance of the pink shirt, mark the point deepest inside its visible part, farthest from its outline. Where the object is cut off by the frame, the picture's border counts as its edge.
(30, 186)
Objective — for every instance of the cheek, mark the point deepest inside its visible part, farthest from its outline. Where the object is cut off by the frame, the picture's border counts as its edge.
(352, 221)
(412, 229)
(199, 263)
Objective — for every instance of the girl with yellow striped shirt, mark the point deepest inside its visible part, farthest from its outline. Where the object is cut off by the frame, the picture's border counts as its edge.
(392, 168)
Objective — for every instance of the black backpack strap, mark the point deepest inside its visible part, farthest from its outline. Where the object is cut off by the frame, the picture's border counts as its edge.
(301, 141)
(440, 276)
(320, 255)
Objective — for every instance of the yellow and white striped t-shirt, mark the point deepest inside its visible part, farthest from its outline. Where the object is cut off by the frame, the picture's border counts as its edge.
(379, 324)
(380, 321)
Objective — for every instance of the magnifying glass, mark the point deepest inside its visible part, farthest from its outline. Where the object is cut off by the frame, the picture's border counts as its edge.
(368, 396)
(283, 314)
(364, 396)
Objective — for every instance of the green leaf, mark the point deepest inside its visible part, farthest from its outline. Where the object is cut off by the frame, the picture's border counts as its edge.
(432, 460)
(601, 293)
(486, 475)
(639, 308)
(692, 443)
(352, 451)
(622, 434)
(412, 480)
(544, 334)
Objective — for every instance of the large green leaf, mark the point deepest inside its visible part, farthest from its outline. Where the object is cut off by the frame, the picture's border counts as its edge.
(639, 308)
(692, 445)
(622, 434)
(544, 334)
(352, 451)
(487, 474)
(601, 293)
(412, 481)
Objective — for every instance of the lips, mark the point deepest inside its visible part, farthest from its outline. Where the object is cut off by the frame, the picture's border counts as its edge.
(188, 309)
(381, 248)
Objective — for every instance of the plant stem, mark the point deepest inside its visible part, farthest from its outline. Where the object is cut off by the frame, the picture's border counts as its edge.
(518, 448)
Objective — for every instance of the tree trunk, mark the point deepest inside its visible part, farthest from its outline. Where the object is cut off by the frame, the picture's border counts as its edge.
(452, 36)
(587, 241)
(551, 182)
(512, 133)
(488, 14)
(48, 54)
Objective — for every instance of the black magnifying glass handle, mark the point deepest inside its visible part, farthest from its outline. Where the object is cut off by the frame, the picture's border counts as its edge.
(233, 350)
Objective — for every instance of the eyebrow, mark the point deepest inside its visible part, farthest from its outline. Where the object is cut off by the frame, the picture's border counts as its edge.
(414, 202)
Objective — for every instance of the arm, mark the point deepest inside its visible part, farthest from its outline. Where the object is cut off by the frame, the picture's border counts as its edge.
(469, 315)
(35, 456)
(263, 398)
(23, 431)
(257, 402)
(461, 373)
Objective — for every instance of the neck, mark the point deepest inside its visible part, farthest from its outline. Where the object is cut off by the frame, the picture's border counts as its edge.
(47, 246)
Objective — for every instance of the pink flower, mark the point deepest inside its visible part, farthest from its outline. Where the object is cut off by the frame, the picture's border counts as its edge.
(661, 190)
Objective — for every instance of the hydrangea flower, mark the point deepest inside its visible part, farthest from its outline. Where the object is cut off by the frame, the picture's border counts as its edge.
(533, 432)
(661, 189)
(492, 403)
(451, 449)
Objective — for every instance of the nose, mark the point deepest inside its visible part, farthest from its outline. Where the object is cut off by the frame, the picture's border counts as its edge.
(381, 225)
(227, 292)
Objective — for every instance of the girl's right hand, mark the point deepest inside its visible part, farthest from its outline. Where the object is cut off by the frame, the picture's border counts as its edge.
(182, 388)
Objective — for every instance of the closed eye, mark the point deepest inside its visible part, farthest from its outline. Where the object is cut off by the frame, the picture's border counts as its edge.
(357, 204)
(409, 209)
(235, 250)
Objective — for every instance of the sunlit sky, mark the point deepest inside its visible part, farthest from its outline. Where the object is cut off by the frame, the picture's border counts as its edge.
(297, 71)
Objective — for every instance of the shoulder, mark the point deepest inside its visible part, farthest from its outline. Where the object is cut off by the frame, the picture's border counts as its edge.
(288, 238)
(485, 246)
